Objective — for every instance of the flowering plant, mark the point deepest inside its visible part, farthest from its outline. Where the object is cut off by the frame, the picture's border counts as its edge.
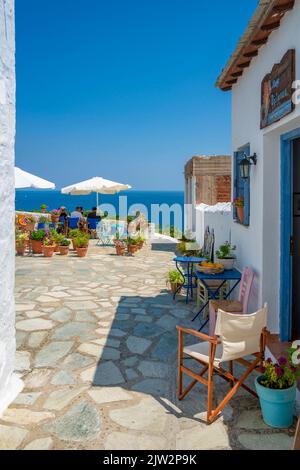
(238, 201)
(55, 212)
(21, 237)
(279, 375)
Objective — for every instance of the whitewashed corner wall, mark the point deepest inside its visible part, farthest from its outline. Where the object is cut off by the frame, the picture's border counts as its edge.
(10, 385)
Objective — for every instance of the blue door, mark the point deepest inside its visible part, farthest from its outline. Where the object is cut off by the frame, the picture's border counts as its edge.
(289, 306)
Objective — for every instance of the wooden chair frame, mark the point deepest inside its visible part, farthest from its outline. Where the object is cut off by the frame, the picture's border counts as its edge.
(211, 369)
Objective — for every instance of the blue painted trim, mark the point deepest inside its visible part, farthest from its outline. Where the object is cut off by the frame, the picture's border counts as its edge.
(286, 230)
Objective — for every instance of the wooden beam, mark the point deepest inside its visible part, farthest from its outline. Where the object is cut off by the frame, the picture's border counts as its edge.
(231, 82)
(260, 42)
(270, 26)
(251, 53)
(237, 74)
(244, 65)
(284, 7)
(226, 88)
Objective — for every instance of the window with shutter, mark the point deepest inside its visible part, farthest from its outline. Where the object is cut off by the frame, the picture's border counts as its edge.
(241, 186)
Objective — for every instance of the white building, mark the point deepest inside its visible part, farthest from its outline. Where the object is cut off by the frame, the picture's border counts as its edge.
(10, 384)
(266, 121)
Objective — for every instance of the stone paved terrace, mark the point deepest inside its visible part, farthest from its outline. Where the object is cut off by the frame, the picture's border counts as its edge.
(97, 349)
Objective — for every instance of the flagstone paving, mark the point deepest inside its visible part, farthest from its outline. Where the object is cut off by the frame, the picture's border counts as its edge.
(97, 345)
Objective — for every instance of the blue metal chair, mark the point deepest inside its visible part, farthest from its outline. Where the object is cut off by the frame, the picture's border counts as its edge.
(92, 223)
(73, 222)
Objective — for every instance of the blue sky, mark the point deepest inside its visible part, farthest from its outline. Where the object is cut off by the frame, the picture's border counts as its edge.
(123, 89)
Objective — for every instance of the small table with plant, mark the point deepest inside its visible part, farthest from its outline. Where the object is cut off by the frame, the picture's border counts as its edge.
(186, 274)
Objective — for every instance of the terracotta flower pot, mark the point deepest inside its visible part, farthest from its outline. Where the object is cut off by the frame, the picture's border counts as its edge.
(48, 251)
(37, 247)
(133, 249)
(56, 249)
(55, 219)
(240, 214)
(120, 250)
(174, 286)
(140, 245)
(21, 248)
(64, 250)
(82, 252)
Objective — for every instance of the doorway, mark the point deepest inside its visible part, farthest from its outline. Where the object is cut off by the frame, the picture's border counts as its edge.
(295, 248)
(290, 237)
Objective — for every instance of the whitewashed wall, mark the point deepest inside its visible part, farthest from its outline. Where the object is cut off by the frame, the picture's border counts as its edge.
(259, 244)
(10, 385)
(217, 219)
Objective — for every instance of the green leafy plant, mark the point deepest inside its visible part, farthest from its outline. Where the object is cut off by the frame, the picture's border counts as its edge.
(21, 238)
(63, 241)
(43, 206)
(43, 220)
(74, 233)
(188, 248)
(174, 276)
(132, 241)
(38, 235)
(279, 375)
(48, 242)
(225, 251)
(82, 240)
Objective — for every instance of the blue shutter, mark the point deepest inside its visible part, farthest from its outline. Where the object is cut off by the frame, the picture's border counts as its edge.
(235, 182)
(241, 186)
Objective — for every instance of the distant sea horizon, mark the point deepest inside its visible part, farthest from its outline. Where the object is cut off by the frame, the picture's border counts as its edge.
(31, 200)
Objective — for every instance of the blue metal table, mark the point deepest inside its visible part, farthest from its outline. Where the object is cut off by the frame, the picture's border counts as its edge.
(228, 275)
(187, 274)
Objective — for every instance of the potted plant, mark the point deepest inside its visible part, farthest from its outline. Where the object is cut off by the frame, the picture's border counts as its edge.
(21, 242)
(132, 245)
(30, 222)
(140, 241)
(43, 208)
(37, 237)
(225, 256)
(63, 244)
(48, 247)
(120, 246)
(56, 238)
(276, 389)
(43, 222)
(174, 280)
(239, 204)
(73, 234)
(55, 216)
(82, 243)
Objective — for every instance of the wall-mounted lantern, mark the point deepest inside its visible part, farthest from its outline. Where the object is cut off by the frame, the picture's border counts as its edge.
(245, 164)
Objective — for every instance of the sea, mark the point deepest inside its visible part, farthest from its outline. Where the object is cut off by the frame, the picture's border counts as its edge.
(154, 204)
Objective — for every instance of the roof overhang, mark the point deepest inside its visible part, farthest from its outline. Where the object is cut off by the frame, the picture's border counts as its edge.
(265, 20)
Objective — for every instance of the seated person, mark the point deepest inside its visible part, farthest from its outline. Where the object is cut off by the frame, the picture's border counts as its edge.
(77, 213)
(63, 212)
(93, 214)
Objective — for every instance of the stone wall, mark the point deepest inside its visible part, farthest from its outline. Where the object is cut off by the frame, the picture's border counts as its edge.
(9, 384)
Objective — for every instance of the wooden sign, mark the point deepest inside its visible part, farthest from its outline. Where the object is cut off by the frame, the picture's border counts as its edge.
(277, 91)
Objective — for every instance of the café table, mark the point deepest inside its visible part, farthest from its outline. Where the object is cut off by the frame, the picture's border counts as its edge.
(228, 275)
(187, 273)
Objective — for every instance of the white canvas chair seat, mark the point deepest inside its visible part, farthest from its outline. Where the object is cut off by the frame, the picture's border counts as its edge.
(237, 336)
(200, 351)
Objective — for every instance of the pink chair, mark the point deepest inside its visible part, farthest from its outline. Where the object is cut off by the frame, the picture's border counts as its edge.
(232, 306)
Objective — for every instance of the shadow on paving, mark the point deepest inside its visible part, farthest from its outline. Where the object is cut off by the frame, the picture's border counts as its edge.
(140, 355)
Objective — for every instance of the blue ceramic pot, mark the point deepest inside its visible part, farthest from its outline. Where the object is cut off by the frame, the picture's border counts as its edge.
(277, 406)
